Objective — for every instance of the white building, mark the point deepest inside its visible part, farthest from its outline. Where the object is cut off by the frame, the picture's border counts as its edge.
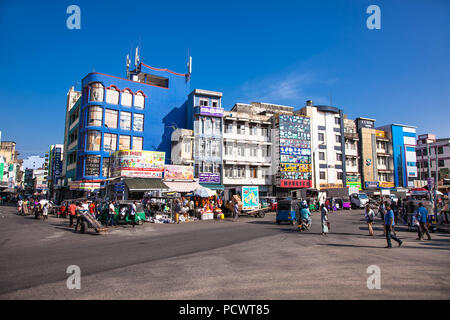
(327, 145)
(182, 147)
(428, 147)
(247, 149)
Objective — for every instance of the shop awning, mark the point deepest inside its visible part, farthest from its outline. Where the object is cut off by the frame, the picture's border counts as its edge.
(144, 184)
(182, 186)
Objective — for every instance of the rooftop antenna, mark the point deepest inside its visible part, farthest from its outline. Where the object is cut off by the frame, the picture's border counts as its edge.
(136, 57)
(189, 66)
(128, 65)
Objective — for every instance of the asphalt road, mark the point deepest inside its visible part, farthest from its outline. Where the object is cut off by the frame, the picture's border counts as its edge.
(251, 259)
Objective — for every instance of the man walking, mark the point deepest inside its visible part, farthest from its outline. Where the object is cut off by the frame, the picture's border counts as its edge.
(369, 215)
(236, 211)
(72, 212)
(422, 213)
(389, 225)
(132, 215)
(382, 212)
(111, 214)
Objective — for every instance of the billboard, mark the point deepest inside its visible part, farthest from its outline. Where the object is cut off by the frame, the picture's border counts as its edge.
(250, 198)
(138, 164)
(211, 111)
(173, 172)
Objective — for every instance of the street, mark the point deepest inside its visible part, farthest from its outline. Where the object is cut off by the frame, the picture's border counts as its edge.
(250, 259)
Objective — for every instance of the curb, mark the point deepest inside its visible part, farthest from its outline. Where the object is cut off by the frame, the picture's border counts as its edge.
(445, 230)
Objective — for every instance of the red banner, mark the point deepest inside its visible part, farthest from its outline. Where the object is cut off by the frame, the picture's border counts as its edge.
(295, 183)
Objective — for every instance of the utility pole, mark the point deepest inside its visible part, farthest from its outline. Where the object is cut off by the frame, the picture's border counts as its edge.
(436, 181)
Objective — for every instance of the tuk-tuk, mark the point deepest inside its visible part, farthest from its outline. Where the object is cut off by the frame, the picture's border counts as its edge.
(123, 208)
(287, 211)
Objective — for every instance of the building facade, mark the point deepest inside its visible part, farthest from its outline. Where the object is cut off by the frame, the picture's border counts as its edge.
(404, 153)
(247, 149)
(204, 117)
(352, 154)
(327, 145)
(182, 147)
(433, 157)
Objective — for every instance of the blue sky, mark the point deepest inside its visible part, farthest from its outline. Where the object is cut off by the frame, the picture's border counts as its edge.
(283, 52)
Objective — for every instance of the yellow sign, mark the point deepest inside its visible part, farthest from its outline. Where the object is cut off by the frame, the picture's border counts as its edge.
(295, 167)
(380, 133)
(386, 184)
(331, 185)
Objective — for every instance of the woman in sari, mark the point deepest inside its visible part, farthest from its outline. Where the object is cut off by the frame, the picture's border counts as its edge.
(324, 219)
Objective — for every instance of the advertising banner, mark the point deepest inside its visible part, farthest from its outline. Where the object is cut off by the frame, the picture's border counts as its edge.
(172, 172)
(386, 184)
(380, 134)
(371, 185)
(138, 164)
(295, 143)
(295, 175)
(84, 186)
(295, 151)
(209, 178)
(331, 185)
(250, 198)
(292, 167)
(354, 184)
(295, 183)
(295, 159)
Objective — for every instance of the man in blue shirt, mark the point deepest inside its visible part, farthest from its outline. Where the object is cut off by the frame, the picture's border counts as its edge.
(389, 223)
(305, 214)
(422, 214)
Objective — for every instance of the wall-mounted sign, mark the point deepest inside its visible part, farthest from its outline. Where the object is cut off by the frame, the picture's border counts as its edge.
(371, 185)
(295, 183)
(384, 184)
(331, 185)
(368, 162)
(209, 178)
(211, 111)
(173, 172)
(142, 164)
(380, 134)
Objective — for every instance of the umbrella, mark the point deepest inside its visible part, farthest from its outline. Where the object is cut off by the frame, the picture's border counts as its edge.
(203, 192)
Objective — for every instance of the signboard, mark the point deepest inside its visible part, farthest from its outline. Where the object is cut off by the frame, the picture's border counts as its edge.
(172, 172)
(92, 166)
(430, 182)
(84, 186)
(371, 185)
(361, 123)
(250, 198)
(295, 183)
(211, 111)
(443, 172)
(295, 167)
(352, 184)
(138, 164)
(386, 184)
(331, 185)
(380, 134)
(209, 178)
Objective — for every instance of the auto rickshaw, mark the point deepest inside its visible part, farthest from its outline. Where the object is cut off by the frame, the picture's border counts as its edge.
(123, 209)
(287, 211)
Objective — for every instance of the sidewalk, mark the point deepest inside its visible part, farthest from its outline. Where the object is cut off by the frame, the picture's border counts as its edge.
(445, 227)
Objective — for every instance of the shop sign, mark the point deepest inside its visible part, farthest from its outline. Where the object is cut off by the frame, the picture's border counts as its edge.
(353, 179)
(209, 178)
(331, 185)
(295, 159)
(365, 124)
(384, 184)
(380, 134)
(371, 184)
(295, 175)
(173, 172)
(355, 184)
(295, 151)
(294, 167)
(211, 111)
(295, 183)
(84, 186)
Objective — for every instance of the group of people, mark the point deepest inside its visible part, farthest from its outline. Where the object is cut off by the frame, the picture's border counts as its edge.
(389, 217)
(305, 216)
(33, 206)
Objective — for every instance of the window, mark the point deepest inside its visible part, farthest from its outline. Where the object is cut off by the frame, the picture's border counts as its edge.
(216, 127)
(208, 126)
(322, 175)
(139, 100)
(382, 161)
(203, 102)
(127, 98)
(338, 138)
(321, 155)
(441, 163)
(253, 172)
(229, 128)
(215, 103)
(112, 95)
(252, 130)
(94, 140)
(241, 150)
(124, 143)
(340, 175)
(229, 171)
(266, 151)
(125, 120)
(253, 152)
(440, 150)
(241, 129)
(338, 157)
(95, 116)
(109, 142)
(229, 149)
(106, 170)
(97, 92)
(138, 122)
(425, 152)
(321, 137)
(418, 152)
(92, 165)
(137, 143)
(337, 120)
(265, 132)
(111, 117)
(187, 147)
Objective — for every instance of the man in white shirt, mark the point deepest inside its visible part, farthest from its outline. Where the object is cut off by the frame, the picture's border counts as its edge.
(111, 214)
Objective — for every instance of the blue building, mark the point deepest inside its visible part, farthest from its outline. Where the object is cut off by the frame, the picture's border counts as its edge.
(134, 113)
(404, 153)
(204, 116)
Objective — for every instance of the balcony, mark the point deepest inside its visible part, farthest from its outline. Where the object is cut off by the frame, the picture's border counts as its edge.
(351, 135)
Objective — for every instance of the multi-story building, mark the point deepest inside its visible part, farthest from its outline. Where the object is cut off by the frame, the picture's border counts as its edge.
(327, 145)
(139, 113)
(247, 149)
(12, 175)
(182, 147)
(376, 161)
(204, 117)
(40, 180)
(431, 151)
(404, 153)
(353, 175)
(55, 167)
